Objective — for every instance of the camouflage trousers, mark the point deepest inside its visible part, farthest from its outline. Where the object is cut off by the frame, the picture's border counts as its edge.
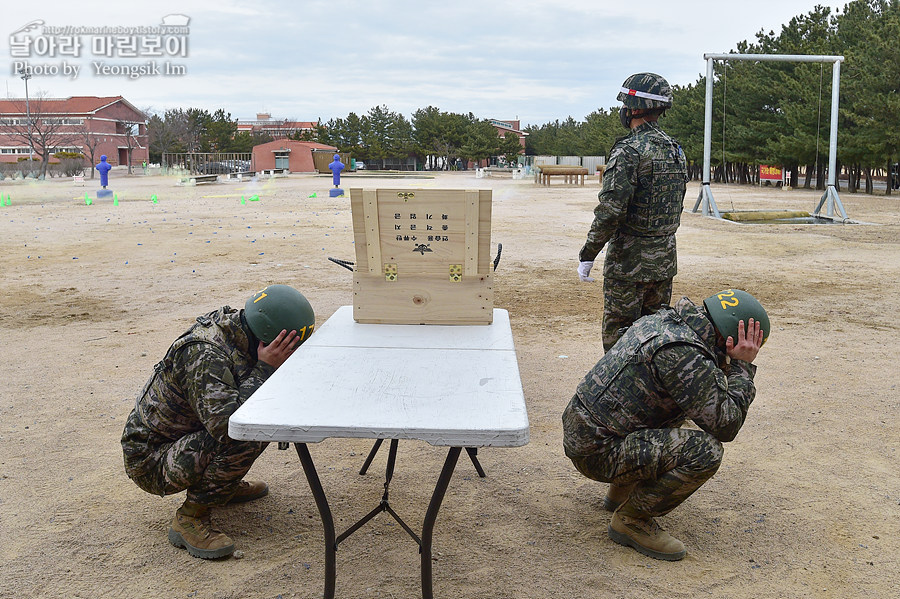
(208, 469)
(667, 465)
(626, 301)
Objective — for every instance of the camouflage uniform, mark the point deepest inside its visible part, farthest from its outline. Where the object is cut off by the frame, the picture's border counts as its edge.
(622, 425)
(639, 211)
(176, 437)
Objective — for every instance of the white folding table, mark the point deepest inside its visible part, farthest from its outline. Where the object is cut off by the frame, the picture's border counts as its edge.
(455, 386)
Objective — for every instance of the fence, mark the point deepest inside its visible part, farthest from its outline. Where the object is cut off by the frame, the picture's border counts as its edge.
(322, 158)
(589, 162)
(207, 163)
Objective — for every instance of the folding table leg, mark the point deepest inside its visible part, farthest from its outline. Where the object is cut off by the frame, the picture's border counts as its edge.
(318, 492)
(473, 455)
(472, 451)
(431, 516)
(371, 457)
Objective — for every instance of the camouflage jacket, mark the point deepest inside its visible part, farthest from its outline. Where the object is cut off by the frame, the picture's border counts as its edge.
(665, 369)
(640, 207)
(205, 376)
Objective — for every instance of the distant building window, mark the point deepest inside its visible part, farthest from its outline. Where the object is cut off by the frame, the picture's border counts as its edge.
(47, 120)
(63, 121)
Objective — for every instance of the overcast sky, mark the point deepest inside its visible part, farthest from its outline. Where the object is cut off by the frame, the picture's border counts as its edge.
(532, 60)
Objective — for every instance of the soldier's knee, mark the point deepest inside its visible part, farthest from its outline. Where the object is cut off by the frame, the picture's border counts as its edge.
(716, 452)
(588, 466)
(234, 450)
(706, 453)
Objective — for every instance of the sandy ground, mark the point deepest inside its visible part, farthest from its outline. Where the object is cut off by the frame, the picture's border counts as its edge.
(806, 503)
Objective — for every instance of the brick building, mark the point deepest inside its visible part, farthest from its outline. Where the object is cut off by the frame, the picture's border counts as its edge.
(294, 156)
(503, 127)
(110, 125)
(278, 129)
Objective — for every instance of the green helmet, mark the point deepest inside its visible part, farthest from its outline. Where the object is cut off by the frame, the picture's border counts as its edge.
(277, 308)
(728, 307)
(645, 91)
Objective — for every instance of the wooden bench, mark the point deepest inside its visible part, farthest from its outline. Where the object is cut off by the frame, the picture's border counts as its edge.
(198, 179)
(241, 175)
(570, 174)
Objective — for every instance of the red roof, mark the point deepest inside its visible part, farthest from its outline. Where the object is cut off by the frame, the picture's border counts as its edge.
(69, 106)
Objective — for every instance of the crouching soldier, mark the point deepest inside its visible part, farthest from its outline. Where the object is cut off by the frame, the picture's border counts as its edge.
(176, 438)
(623, 424)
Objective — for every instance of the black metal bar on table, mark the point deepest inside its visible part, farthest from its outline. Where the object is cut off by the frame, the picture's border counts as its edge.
(472, 451)
(431, 516)
(473, 455)
(424, 543)
(389, 472)
(318, 492)
(385, 505)
(372, 453)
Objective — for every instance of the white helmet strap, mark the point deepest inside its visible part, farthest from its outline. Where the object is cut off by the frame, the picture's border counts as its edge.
(647, 95)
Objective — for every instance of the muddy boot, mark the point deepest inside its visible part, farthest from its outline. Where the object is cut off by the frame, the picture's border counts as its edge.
(248, 491)
(616, 496)
(644, 534)
(191, 529)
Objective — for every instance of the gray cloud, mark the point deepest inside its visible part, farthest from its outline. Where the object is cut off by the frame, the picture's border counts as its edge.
(532, 59)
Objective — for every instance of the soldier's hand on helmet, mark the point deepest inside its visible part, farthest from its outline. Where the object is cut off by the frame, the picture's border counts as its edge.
(584, 271)
(274, 354)
(748, 342)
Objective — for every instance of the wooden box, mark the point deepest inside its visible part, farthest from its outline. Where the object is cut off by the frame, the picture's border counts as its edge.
(422, 256)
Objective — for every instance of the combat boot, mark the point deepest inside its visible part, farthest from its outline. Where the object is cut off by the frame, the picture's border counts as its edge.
(616, 496)
(191, 528)
(644, 534)
(248, 491)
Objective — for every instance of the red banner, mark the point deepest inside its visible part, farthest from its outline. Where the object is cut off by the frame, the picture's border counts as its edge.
(769, 173)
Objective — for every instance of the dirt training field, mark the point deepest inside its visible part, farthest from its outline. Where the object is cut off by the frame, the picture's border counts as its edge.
(806, 503)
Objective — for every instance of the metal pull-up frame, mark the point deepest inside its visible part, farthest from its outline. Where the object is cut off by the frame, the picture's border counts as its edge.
(830, 198)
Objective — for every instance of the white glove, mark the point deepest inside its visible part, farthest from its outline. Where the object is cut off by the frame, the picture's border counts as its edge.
(584, 271)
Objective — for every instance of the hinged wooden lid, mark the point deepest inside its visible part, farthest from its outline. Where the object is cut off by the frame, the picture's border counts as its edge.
(422, 256)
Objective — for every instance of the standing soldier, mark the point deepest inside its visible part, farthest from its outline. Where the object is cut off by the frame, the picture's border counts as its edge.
(623, 424)
(639, 211)
(176, 438)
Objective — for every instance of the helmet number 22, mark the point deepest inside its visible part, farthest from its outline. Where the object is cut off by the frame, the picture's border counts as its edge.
(728, 300)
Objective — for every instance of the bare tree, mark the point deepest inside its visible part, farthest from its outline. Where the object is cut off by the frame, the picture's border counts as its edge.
(45, 133)
(168, 133)
(90, 140)
(128, 129)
